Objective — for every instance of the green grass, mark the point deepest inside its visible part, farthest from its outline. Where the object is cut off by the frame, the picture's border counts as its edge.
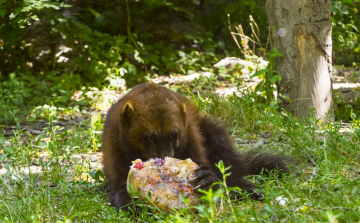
(327, 189)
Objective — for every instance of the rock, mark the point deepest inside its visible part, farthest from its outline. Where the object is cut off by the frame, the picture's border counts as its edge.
(242, 141)
(247, 146)
(356, 94)
(7, 132)
(94, 159)
(179, 78)
(34, 131)
(233, 61)
(267, 135)
(35, 161)
(347, 96)
(259, 143)
(337, 71)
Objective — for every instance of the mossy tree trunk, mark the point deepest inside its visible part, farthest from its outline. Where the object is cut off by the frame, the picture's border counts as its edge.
(301, 31)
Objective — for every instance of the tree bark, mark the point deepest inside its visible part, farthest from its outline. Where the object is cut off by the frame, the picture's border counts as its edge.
(301, 31)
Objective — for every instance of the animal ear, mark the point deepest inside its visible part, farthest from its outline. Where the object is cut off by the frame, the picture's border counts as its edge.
(183, 108)
(127, 110)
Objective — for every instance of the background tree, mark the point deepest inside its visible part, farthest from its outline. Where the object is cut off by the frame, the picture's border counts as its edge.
(301, 31)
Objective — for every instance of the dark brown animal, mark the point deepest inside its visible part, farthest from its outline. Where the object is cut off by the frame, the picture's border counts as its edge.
(152, 121)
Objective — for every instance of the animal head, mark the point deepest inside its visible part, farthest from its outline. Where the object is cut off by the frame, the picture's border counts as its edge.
(154, 123)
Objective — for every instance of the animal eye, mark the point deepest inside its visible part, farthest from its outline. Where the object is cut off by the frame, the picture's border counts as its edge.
(175, 134)
(148, 137)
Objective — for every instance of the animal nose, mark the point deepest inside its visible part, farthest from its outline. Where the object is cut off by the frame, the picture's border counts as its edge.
(169, 153)
(165, 149)
(162, 156)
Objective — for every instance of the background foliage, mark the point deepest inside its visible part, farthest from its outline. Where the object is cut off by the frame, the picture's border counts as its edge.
(49, 49)
(141, 36)
(346, 24)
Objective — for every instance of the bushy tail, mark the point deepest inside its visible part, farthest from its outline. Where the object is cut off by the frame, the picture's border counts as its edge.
(265, 162)
(219, 145)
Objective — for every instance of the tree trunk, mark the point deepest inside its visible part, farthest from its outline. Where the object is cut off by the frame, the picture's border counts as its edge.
(301, 31)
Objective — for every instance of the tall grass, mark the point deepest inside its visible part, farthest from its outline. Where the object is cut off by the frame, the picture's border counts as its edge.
(326, 190)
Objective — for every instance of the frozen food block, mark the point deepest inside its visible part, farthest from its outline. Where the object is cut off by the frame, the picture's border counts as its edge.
(167, 180)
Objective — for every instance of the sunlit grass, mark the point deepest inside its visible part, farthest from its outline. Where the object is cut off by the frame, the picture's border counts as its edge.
(326, 159)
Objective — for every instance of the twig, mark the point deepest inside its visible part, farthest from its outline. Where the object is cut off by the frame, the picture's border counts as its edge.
(233, 35)
(267, 41)
(257, 27)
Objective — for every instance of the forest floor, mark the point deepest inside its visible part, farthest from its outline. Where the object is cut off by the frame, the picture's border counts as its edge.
(63, 123)
(58, 156)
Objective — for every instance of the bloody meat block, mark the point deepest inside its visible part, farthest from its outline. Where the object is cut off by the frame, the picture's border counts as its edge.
(167, 180)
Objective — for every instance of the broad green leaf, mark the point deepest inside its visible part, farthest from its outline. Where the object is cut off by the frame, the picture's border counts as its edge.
(95, 119)
(154, 57)
(8, 149)
(39, 137)
(2, 13)
(259, 72)
(137, 57)
(269, 209)
(92, 174)
(348, 1)
(275, 78)
(2, 158)
(95, 13)
(181, 53)
(42, 163)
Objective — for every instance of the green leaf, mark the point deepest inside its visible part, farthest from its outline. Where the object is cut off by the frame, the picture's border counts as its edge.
(347, 1)
(8, 149)
(284, 114)
(42, 163)
(344, 10)
(352, 26)
(146, 61)
(149, 47)
(3, 158)
(2, 13)
(39, 137)
(92, 174)
(260, 87)
(165, 59)
(137, 57)
(127, 49)
(181, 53)
(154, 58)
(95, 119)
(269, 209)
(259, 72)
(12, 76)
(230, 8)
(6, 166)
(42, 145)
(348, 106)
(95, 13)
(276, 53)
(179, 9)
(275, 78)
(98, 174)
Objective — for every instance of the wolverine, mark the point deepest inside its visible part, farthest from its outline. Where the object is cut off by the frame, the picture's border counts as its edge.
(152, 121)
